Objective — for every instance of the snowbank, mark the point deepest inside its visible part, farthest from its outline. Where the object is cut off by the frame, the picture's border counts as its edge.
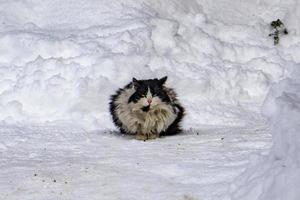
(56, 64)
(277, 176)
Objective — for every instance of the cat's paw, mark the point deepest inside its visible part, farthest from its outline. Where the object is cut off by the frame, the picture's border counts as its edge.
(152, 136)
(148, 136)
(141, 136)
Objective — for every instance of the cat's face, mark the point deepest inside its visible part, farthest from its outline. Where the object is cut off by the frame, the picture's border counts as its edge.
(149, 93)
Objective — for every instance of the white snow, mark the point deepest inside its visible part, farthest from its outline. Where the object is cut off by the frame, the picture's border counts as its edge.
(70, 69)
(279, 174)
(55, 162)
(61, 60)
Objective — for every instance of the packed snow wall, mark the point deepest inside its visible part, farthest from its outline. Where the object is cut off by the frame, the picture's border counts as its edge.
(277, 176)
(62, 60)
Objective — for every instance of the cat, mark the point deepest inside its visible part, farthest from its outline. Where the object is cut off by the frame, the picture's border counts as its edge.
(147, 109)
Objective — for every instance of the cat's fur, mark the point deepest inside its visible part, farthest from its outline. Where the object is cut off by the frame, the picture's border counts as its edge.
(147, 109)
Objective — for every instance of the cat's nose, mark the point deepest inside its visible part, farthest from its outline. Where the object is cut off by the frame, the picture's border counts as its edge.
(149, 100)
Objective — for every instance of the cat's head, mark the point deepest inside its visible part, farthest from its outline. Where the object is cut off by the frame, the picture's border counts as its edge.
(149, 93)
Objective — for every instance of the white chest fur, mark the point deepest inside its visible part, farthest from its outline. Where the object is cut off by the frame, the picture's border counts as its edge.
(134, 120)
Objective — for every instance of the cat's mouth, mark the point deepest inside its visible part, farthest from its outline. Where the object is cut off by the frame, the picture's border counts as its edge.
(146, 108)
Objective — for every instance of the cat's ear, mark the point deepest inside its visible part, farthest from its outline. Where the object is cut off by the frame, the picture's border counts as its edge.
(135, 82)
(163, 80)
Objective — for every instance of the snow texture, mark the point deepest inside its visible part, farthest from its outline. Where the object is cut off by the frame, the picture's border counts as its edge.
(70, 63)
(61, 60)
(55, 162)
(279, 174)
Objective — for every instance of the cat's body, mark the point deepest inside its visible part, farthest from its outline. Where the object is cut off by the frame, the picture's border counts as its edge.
(147, 109)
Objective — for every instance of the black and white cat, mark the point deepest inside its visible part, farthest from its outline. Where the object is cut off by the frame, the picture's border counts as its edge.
(147, 109)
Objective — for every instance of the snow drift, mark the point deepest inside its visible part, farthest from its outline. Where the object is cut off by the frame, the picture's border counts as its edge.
(57, 65)
(278, 176)
(61, 60)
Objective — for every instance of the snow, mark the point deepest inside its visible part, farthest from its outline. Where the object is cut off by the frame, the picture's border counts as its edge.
(279, 177)
(61, 60)
(70, 69)
(55, 162)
